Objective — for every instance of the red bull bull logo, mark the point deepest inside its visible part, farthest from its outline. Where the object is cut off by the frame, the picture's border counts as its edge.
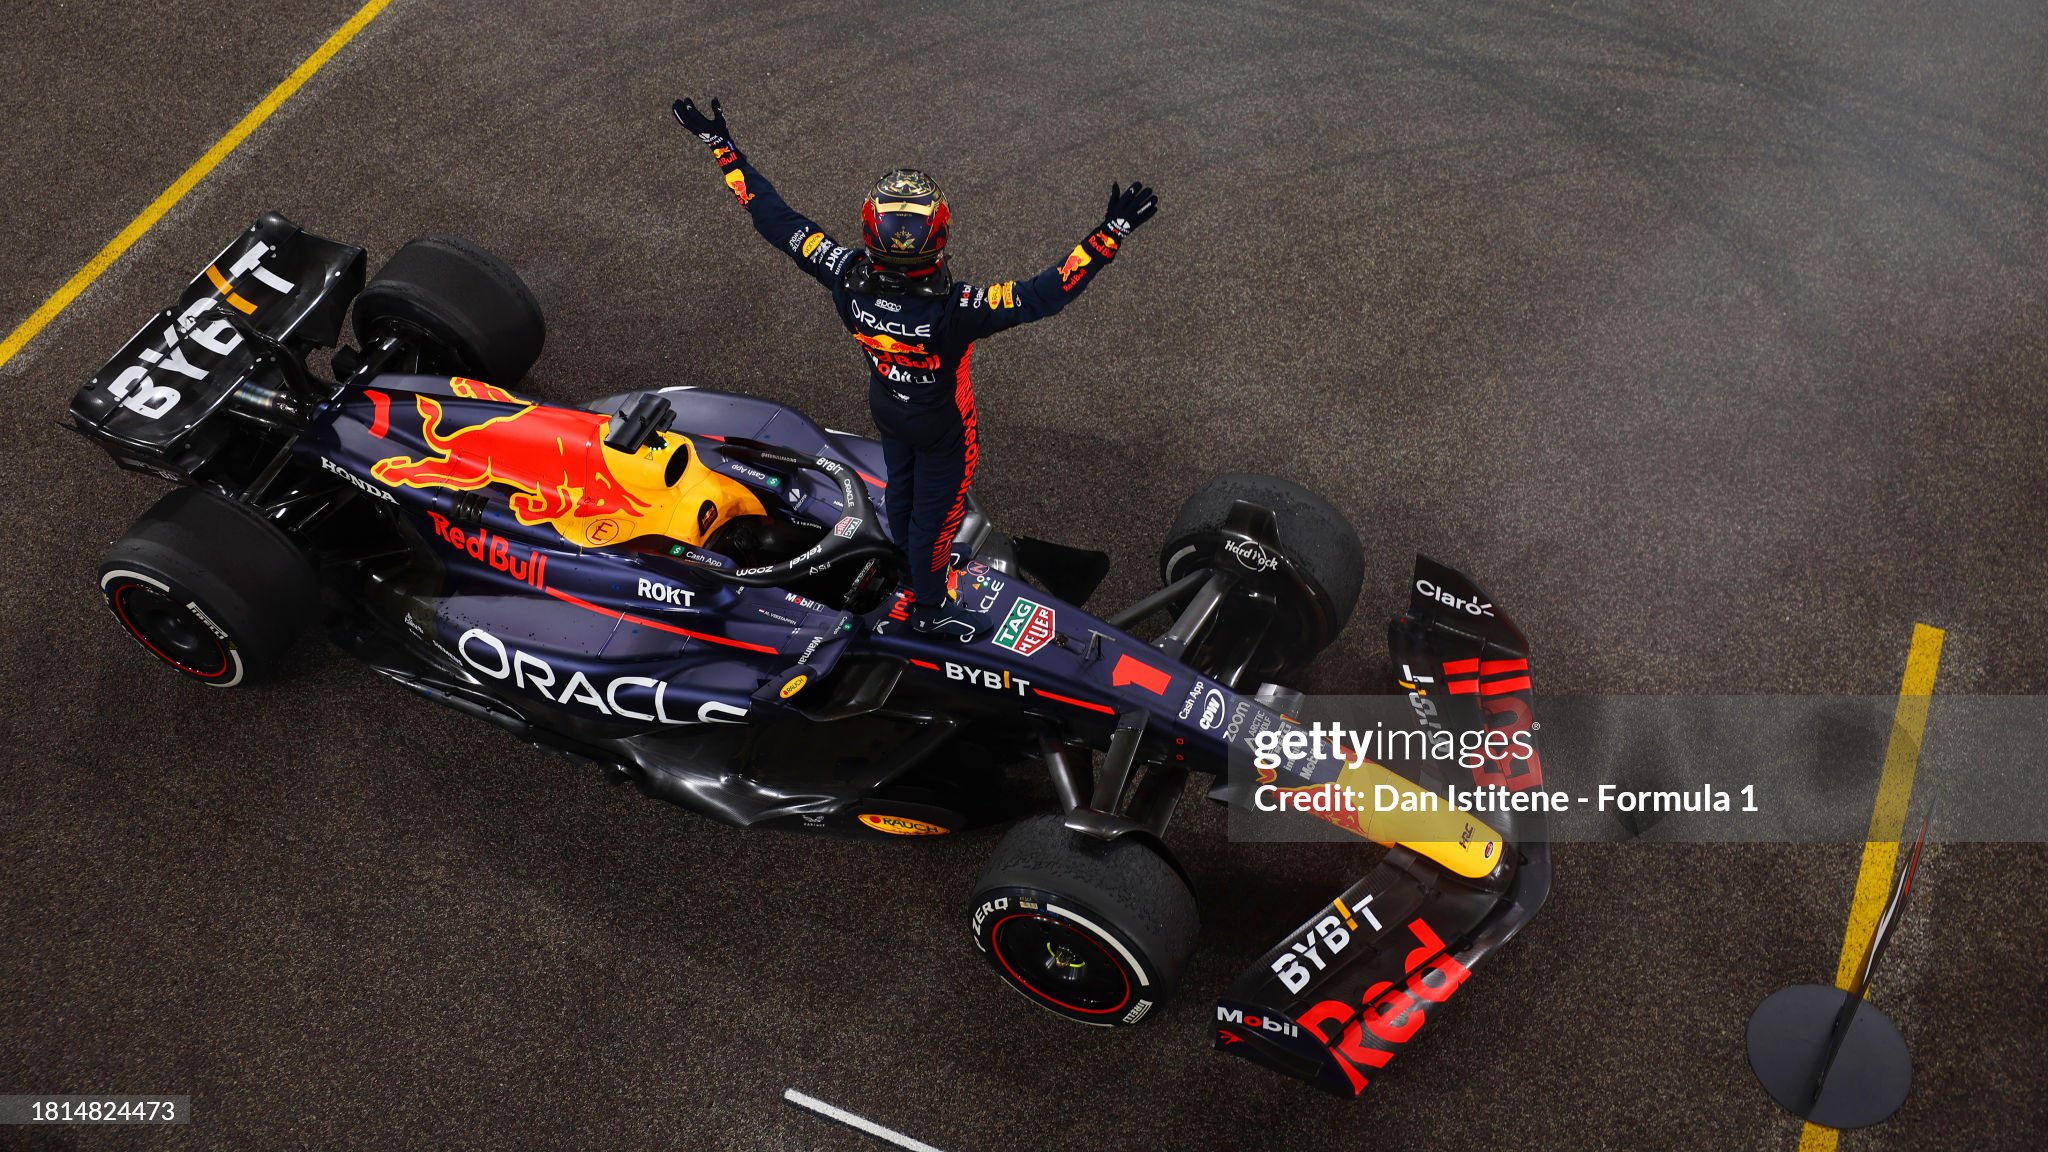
(886, 350)
(565, 475)
(478, 390)
(737, 181)
(543, 452)
(1074, 268)
(889, 344)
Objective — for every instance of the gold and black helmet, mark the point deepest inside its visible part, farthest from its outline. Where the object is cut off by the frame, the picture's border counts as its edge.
(903, 223)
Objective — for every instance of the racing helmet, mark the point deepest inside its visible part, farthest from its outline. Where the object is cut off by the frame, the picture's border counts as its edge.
(903, 224)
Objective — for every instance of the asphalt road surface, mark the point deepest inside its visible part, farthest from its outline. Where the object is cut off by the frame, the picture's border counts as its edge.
(1708, 337)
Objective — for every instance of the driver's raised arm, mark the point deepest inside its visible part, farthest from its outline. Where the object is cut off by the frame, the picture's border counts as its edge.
(778, 223)
(1002, 306)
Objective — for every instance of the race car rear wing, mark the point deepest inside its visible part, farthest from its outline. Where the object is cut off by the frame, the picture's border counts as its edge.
(1350, 987)
(235, 340)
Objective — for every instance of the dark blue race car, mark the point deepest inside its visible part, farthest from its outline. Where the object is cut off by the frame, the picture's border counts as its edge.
(696, 592)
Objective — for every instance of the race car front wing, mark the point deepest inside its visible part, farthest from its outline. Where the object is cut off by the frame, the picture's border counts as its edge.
(1345, 992)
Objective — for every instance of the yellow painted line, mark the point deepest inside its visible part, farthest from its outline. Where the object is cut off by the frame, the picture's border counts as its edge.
(1814, 1138)
(1887, 824)
(1894, 791)
(62, 298)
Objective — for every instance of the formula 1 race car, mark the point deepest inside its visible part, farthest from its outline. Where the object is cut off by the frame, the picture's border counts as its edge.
(697, 592)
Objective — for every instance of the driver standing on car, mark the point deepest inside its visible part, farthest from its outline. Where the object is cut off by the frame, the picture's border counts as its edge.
(918, 330)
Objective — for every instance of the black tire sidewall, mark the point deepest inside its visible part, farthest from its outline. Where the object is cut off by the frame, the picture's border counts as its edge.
(1121, 896)
(1317, 544)
(465, 299)
(238, 577)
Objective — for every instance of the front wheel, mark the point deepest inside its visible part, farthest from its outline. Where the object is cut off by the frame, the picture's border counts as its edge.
(1289, 547)
(480, 318)
(1096, 932)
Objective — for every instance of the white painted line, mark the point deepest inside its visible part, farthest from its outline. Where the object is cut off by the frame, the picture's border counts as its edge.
(851, 1121)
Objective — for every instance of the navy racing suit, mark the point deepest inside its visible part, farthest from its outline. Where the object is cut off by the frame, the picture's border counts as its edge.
(920, 351)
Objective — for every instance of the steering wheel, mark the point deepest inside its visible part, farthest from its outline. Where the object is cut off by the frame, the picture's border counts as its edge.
(857, 534)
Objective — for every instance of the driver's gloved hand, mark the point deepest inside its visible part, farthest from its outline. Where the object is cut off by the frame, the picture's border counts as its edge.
(1128, 208)
(712, 129)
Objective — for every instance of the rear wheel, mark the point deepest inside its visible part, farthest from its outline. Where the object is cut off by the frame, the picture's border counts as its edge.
(1095, 931)
(478, 316)
(210, 588)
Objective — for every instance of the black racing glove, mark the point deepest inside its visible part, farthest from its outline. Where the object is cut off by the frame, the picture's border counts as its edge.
(1128, 208)
(710, 129)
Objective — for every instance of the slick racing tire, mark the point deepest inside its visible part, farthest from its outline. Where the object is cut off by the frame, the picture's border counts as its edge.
(1096, 932)
(210, 588)
(476, 311)
(1315, 575)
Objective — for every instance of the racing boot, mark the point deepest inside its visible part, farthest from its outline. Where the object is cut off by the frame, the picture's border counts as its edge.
(926, 618)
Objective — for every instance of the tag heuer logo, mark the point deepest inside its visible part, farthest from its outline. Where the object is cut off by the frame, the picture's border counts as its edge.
(1027, 629)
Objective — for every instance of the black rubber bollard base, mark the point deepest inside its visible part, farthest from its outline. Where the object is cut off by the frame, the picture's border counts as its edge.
(1788, 1035)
